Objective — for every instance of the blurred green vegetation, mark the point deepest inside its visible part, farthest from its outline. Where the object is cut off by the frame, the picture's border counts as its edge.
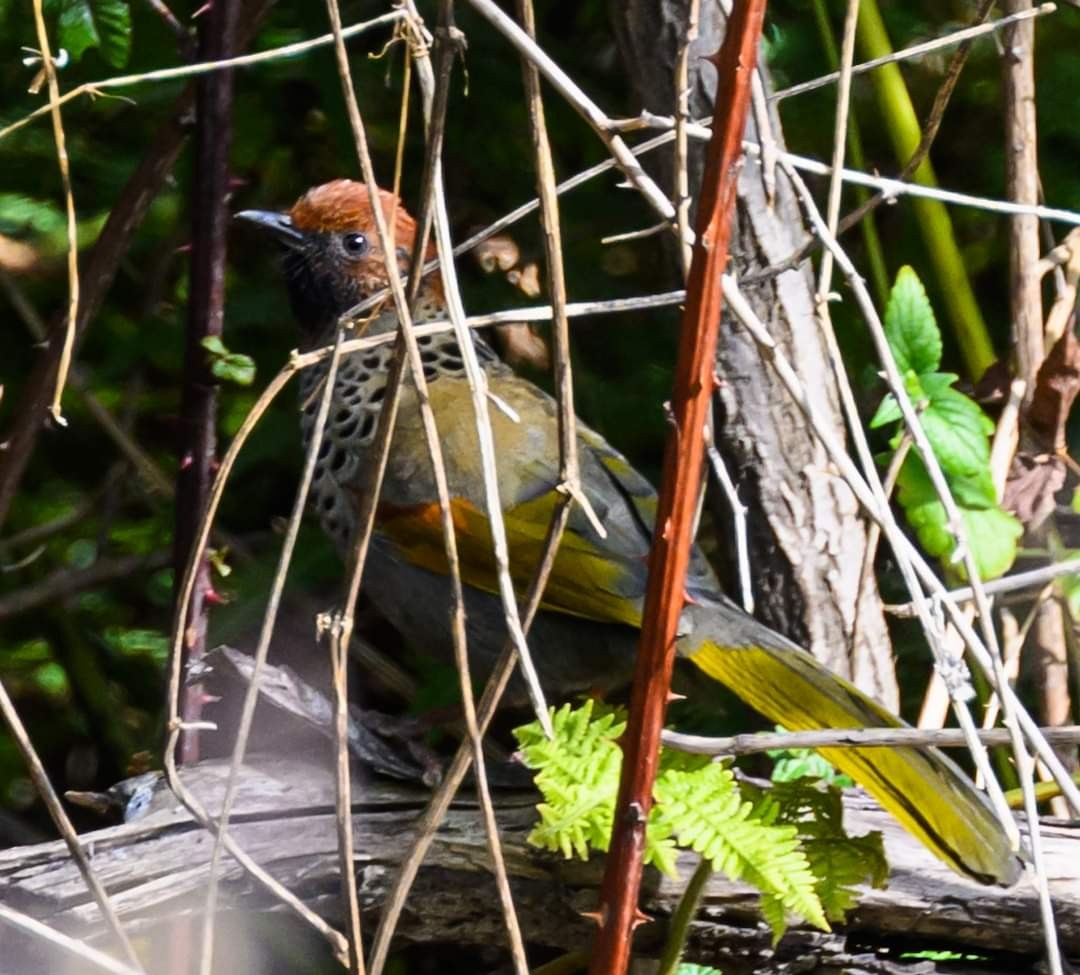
(87, 670)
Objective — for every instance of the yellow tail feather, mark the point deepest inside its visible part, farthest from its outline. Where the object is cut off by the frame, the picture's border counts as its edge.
(928, 793)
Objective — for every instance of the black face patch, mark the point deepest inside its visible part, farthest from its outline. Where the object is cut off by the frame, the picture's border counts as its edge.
(322, 284)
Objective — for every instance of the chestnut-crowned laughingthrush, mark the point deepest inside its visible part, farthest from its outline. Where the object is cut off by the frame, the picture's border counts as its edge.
(586, 635)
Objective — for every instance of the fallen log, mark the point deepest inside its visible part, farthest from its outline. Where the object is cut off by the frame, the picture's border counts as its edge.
(155, 867)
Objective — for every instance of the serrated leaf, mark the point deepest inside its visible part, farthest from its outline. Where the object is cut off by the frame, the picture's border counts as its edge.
(910, 326)
(958, 432)
(991, 532)
(101, 24)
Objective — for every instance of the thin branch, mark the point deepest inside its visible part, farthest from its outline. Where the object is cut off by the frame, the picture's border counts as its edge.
(247, 713)
(750, 744)
(65, 583)
(44, 788)
(1032, 579)
(914, 567)
(174, 724)
(203, 68)
(205, 318)
(916, 50)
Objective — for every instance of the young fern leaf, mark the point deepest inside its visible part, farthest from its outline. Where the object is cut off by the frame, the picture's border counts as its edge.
(839, 861)
(704, 810)
(578, 776)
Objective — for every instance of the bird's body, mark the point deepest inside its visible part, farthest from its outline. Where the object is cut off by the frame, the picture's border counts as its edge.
(586, 635)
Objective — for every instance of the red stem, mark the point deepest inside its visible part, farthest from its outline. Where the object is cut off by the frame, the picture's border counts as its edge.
(683, 460)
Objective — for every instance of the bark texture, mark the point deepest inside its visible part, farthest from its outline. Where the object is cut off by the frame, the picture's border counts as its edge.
(807, 540)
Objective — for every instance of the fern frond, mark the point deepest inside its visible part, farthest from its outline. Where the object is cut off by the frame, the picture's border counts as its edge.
(705, 810)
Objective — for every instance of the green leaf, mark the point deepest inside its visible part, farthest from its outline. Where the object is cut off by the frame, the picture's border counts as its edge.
(685, 968)
(22, 213)
(231, 367)
(991, 532)
(910, 327)
(958, 432)
(101, 24)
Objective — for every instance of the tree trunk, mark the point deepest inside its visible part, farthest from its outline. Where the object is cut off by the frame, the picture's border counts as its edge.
(807, 540)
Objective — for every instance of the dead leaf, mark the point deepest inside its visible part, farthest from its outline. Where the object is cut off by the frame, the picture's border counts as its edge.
(526, 279)
(15, 256)
(498, 253)
(1033, 482)
(1056, 387)
(520, 345)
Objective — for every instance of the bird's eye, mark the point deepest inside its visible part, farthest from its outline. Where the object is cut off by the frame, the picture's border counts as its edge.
(355, 245)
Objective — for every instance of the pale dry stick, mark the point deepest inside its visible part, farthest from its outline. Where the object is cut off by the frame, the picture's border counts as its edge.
(569, 465)
(836, 186)
(682, 117)
(204, 67)
(175, 724)
(1019, 580)
(738, 514)
(894, 187)
(477, 384)
(890, 187)
(49, 67)
(581, 103)
(996, 675)
(437, 808)
(79, 949)
(340, 637)
(262, 648)
(434, 448)
(958, 691)
(1006, 437)
(763, 741)
(916, 50)
(44, 788)
(913, 566)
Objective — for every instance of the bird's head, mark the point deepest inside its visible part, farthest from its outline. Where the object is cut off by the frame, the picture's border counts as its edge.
(332, 256)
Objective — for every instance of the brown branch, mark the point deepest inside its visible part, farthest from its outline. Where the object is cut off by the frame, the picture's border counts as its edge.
(677, 502)
(71, 582)
(206, 304)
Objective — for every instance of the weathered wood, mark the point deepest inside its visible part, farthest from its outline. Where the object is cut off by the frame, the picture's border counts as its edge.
(156, 868)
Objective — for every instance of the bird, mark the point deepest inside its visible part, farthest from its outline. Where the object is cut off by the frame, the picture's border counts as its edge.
(585, 637)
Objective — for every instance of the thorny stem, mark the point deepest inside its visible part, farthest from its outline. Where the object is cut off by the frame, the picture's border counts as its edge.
(677, 502)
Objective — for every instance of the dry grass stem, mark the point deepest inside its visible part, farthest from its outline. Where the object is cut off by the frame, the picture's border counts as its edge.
(49, 67)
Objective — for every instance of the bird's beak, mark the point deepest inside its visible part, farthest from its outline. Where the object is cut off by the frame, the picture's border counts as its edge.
(279, 224)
